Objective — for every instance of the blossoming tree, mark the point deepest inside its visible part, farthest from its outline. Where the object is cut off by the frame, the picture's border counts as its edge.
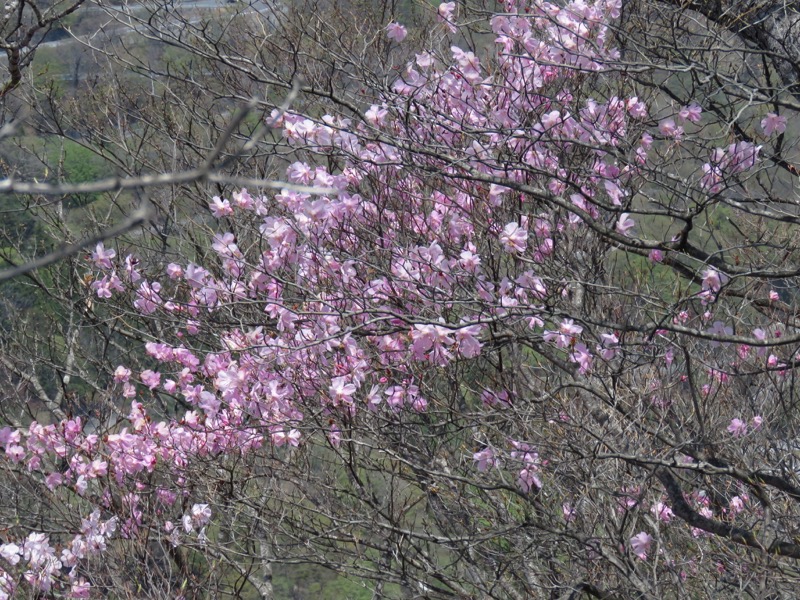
(521, 324)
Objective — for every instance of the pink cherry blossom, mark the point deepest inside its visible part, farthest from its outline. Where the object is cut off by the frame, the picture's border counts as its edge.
(470, 261)
(485, 459)
(636, 108)
(410, 281)
(669, 129)
(713, 280)
(147, 297)
(376, 115)
(10, 553)
(341, 391)
(431, 342)
(528, 480)
(565, 335)
(662, 512)
(737, 428)
(736, 505)
(608, 346)
(15, 453)
(691, 113)
(514, 238)
(640, 544)
(292, 438)
(625, 224)
(740, 156)
(103, 287)
(445, 14)
(200, 514)
(580, 354)
(102, 257)
(150, 378)
(220, 207)
(80, 589)
(773, 123)
(468, 344)
(396, 32)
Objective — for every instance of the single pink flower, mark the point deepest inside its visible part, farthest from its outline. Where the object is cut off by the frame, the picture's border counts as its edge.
(669, 129)
(737, 428)
(691, 113)
(200, 514)
(713, 280)
(773, 123)
(102, 257)
(220, 207)
(341, 391)
(625, 224)
(11, 553)
(662, 512)
(445, 14)
(485, 459)
(640, 544)
(514, 238)
(396, 32)
(151, 379)
(582, 356)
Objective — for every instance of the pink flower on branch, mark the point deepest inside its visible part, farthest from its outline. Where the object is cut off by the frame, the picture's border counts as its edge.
(514, 238)
(640, 544)
(151, 379)
(396, 32)
(608, 345)
(737, 428)
(669, 129)
(282, 437)
(691, 113)
(445, 14)
(773, 123)
(582, 356)
(713, 280)
(220, 207)
(401, 273)
(102, 257)
(376, 115)
(431, 343)
(10, 553)
(528, 480)
(566, 334)
(467, 339)
(200, 514)
(485, 459)
(341, 391)
(625, 224)
(740, 157)
(662, 512)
